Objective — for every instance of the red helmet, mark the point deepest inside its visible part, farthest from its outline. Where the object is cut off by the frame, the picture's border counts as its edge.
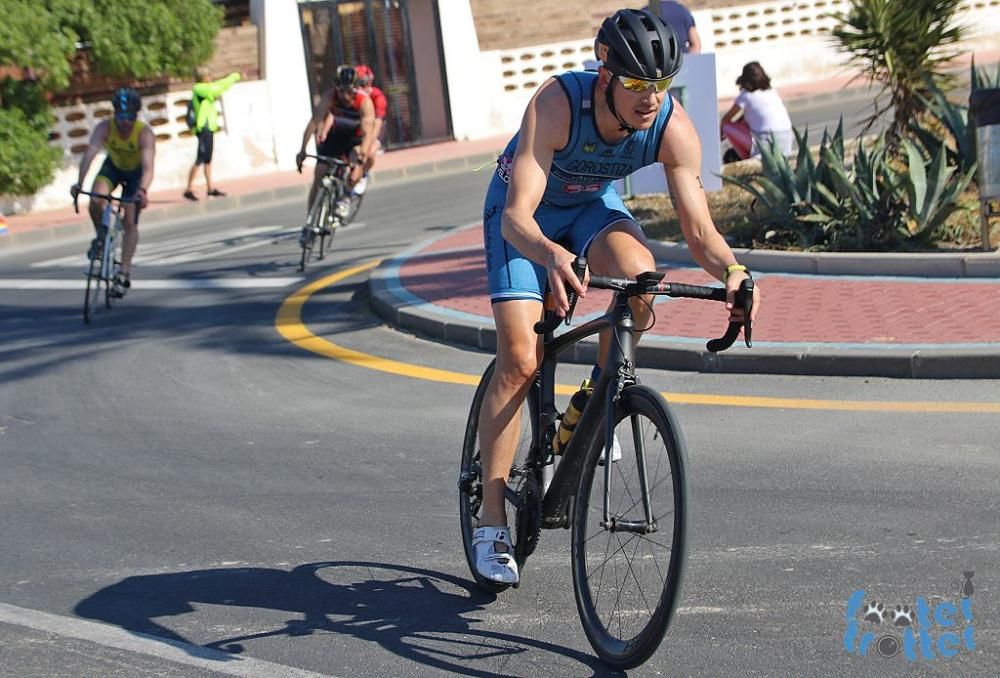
(364, 75)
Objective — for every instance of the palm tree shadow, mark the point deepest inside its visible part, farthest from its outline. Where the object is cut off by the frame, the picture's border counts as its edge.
(421, 615)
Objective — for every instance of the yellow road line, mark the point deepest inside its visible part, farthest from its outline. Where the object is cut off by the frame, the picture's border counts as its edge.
(288, 322)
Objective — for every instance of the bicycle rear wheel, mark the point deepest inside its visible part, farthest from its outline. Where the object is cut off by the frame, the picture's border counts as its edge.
(627, 580)
(470, 493)
(93, 289)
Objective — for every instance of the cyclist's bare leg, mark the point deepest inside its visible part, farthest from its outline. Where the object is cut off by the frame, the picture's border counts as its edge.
(519, 352)
(621, 251)
(370, 160)
(131, 239)
(96, 207)
(317, 177)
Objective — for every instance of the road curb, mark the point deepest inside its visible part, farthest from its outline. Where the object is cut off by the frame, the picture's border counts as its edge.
(393, 303)
(922, 265)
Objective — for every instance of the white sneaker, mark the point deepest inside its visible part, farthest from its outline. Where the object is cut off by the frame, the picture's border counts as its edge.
(343, 207)
(361, 186)
(491, 564)
(616, 451)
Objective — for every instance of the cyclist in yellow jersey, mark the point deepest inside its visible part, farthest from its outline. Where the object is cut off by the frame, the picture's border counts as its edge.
(130, 145)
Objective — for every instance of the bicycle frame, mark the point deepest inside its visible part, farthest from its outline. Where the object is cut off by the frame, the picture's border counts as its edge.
(111, 220)
(561, 488)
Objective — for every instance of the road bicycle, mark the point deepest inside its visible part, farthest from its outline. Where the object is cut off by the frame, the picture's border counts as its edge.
(104, 259)
(324, 218)
(628, 518)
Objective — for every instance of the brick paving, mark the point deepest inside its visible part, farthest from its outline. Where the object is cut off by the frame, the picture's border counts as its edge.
(798, 309)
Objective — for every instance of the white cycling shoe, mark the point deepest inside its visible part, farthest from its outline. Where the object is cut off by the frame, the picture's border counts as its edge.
(361, 186)
(616, 451)
(491, 564)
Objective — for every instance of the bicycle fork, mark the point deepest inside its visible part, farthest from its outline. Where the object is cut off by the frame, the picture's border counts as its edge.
(624, 341)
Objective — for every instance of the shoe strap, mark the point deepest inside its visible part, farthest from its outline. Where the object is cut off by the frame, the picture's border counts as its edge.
(492, 534)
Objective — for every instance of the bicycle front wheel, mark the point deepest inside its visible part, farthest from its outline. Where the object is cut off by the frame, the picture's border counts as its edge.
(112, 261)
(93, 290)
(470, 482)
(627, 571)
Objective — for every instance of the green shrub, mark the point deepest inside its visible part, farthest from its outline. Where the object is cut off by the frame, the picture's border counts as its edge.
(27, 162)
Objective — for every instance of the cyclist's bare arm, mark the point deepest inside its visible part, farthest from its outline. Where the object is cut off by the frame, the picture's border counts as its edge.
(94, 146)
(315, 122)
(680, 153)
(544, 128)
(367, 146)
(147, 147)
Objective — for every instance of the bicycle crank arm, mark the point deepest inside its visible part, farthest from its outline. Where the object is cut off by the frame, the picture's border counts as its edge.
(637, 526)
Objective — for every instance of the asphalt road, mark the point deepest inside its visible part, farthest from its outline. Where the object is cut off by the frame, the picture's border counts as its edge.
(185, 493)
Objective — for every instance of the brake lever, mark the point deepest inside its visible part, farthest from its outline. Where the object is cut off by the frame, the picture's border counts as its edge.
(579, 268)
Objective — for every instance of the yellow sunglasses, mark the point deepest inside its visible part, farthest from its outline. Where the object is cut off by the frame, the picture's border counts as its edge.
(640, 85)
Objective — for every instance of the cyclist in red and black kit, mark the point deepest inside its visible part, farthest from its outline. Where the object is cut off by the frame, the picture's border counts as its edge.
(350, 135)
(364, 77)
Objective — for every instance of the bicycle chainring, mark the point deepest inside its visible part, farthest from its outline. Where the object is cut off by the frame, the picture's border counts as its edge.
(528, 519)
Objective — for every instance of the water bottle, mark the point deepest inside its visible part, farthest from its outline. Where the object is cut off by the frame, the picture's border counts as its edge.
(572, 416)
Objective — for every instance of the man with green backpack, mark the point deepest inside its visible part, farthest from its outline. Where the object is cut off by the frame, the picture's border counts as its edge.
(203, 120)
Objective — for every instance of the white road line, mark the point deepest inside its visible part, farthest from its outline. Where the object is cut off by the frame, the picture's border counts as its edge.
(145, 644)
(152, 253)
(153, 283)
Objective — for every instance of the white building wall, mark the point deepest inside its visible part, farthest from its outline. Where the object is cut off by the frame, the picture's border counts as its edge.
(261, 120)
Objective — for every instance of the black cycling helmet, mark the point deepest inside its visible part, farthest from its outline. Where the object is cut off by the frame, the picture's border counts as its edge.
(126, 100)
(639, 44)
(636, 44)
(346, 77)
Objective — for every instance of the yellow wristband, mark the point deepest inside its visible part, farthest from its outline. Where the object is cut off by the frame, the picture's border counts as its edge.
(734, 267)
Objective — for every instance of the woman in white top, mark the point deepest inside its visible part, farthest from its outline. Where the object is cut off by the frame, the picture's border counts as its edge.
(764, 114)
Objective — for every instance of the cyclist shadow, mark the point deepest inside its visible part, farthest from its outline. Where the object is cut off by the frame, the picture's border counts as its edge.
(414, 613)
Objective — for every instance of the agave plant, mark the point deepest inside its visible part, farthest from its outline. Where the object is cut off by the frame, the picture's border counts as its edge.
(876, 202)
(932, 192)
(784, 200)
(953, 118)
(899, 45)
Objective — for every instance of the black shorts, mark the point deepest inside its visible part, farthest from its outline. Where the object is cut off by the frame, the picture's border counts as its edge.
(206, 144)
(338, 145)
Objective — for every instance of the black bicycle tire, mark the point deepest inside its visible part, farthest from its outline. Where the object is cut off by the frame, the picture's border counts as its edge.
(110, 242)
(470, 457)
(614, 651)
(311, 226)
(326, 232)
(93, 281)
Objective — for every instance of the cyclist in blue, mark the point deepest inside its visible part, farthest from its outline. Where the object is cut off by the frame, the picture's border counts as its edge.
(131, 147)
(580, 132)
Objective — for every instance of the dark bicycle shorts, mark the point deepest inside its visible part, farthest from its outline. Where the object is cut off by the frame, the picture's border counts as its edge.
(129, 181)
(206, 146)
(338, 145)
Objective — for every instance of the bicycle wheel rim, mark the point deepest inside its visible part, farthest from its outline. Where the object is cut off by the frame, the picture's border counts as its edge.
(470, 499)
(627, 584)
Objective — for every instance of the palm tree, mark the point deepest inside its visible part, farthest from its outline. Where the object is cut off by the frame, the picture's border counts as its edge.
(902, 45)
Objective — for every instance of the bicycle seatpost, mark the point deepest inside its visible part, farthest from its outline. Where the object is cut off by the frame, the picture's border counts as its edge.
(579, 268)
